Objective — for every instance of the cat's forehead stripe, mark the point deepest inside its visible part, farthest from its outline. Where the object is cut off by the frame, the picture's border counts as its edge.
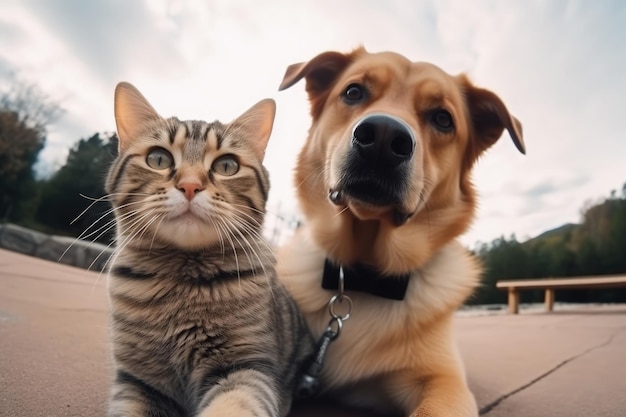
(212, 140)
(218, 131)
(181, 135)
(195, 130)
(172, 127)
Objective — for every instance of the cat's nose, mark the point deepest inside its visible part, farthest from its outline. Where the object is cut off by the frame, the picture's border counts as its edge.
(190, 189)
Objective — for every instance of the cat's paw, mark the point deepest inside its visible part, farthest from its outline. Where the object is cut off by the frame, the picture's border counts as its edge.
(235, 403)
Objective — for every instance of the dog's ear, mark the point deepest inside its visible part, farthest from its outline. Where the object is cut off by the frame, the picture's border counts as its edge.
(489, 118)
(320, 72)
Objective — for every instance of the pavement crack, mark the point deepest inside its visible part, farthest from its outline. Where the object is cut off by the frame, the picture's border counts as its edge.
(486, 409)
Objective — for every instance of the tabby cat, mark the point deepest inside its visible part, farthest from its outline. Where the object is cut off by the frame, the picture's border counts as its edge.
(200, 324)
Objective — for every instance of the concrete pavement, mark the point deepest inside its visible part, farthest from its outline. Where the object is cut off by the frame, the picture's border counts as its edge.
(54, 357)
(565, 363)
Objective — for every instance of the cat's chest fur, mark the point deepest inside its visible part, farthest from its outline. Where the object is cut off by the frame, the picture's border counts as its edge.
(181, 312)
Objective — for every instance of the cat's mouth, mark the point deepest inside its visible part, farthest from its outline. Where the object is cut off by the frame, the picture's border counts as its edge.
(184, 211)
(187, 229)
(187, 216)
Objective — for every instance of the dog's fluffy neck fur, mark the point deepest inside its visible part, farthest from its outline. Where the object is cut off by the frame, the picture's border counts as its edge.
(381, 245)
(389, 248)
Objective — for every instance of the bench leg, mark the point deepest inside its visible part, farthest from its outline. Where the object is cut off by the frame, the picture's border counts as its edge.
(513, 301)
(549, 299)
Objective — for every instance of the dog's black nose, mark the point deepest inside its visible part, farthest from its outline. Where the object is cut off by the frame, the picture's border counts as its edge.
(383, 140)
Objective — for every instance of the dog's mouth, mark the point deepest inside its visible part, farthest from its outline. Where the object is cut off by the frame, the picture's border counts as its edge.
(367, 204)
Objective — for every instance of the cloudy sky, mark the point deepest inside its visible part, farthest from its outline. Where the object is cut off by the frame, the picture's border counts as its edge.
(560, 66)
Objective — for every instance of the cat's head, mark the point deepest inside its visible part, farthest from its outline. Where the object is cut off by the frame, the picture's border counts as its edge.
(189, 184)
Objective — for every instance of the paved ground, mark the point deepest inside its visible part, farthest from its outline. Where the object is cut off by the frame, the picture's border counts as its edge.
(54, 358)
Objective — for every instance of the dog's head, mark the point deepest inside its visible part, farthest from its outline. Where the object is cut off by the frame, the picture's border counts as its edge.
(388, 160)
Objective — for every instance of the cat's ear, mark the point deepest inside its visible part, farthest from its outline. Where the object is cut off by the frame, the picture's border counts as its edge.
(258, 121)
(132, 113)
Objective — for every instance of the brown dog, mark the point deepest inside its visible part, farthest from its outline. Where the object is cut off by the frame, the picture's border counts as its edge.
(384, 181)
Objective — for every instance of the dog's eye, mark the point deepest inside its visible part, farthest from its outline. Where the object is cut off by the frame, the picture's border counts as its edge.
(442, 120)
(354, 93)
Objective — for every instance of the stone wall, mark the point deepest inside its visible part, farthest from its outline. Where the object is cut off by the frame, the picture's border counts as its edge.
(66, 250)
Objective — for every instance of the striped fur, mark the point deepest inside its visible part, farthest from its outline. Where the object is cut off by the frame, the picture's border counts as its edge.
(200, 324)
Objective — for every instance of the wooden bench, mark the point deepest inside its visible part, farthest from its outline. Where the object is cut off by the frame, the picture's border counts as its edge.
(550, 284)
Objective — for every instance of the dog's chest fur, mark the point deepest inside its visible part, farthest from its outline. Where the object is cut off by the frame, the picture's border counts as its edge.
(382, 336)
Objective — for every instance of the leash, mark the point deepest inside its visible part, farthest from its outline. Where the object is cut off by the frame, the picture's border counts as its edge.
(309, 380)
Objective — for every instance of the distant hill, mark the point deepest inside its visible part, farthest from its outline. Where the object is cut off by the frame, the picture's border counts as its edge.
(562, 233)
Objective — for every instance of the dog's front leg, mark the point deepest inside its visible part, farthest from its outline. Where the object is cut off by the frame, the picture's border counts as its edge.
(443, 396)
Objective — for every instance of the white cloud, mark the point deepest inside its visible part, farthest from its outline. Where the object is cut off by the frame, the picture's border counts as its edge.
(559, 67)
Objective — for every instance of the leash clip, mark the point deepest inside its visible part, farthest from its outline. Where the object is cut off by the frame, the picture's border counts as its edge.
(309, 381)
(338, 299)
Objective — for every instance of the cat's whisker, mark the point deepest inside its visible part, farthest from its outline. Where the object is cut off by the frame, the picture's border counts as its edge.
(242, 242)
(156, 230)
(128, 233)
(128, 236)
(95, 200)
(253, 223)
(85, 233)
(133, 216)
(109, 225)
(250, 217)
(234, 226)
(237, 224)
(149, 223)
(139, 226)
(102, 230)
(108, 246)
(234, 232)
(258, 237)
(219, 236)
(119, 246)
(227, 233)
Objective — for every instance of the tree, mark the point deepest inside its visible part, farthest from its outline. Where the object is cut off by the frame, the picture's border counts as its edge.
(614, 250)
(595, 247)
(503, 259)
(589, 261)
(73, 187)
(25, 112)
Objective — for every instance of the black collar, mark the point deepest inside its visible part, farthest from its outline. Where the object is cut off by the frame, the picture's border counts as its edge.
(366, 279)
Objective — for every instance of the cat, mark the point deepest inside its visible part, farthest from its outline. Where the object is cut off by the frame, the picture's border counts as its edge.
(201, 325)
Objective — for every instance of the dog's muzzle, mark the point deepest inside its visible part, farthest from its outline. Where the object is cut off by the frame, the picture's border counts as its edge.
(377, 167)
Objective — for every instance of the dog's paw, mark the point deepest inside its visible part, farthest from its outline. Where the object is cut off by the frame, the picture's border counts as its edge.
(427, 410)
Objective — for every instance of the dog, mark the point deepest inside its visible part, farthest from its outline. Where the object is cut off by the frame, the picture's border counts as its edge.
(384, 184)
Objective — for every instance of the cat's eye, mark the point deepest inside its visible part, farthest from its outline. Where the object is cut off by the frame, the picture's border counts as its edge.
(159, 158)
(226, 165)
